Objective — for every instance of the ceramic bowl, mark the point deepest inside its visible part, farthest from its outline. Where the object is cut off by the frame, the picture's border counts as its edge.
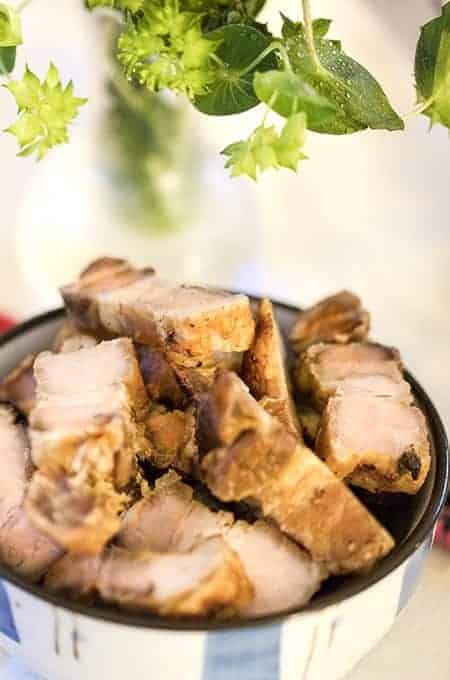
(62, 640)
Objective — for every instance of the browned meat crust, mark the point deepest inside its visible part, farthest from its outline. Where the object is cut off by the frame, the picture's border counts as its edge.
(264, 370)
(339, 318)
(267, 466)
(172, 438)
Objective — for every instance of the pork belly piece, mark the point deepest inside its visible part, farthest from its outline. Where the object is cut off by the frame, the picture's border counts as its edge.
(208, 579)
(86, 430)
(168, 519)
(159, 377)
(269, 467)
(19, 386)
(227, 411)
(22, 547)
(321, 368)
(186, 321)
(376, 442)
(172, 439)
(264, 369)
(70, 339)
(377, 386)
(339, 318)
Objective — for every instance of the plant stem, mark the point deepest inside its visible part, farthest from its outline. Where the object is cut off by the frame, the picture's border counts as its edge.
(309, 33)
(23, 5)
(419, 108)
(275, 45)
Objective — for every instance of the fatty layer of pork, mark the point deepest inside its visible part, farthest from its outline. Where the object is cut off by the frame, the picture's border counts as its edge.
(267, 466)
(264, 369)
(86, 431)
(208, 579)
(375, 441)
(19, 386)
(169, 519)
(322, 368)
(22, 547)
(339, 318)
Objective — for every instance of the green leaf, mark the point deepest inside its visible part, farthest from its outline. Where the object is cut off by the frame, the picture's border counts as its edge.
(286, 93)
(231, 91)
(132, 6)
(7, 60)
(359, 99)
(292, 29)
(10, 26)
(432, 68)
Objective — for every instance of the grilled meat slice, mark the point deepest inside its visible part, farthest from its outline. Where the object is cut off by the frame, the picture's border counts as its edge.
(172, 439)
(376, 442)
(322, 368)
(269, 467)
(22, 547)
(188, 321)
(339, 318)
(168, 519)
(264, 370)
(208, 579)
(71, 339)
(86, 431)
(19, 386)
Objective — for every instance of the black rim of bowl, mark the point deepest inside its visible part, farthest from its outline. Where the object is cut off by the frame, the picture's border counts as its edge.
(357, 584)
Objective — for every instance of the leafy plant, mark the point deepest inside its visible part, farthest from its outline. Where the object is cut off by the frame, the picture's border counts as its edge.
(219, 56)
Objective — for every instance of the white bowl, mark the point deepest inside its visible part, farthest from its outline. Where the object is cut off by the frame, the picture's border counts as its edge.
(64, 640)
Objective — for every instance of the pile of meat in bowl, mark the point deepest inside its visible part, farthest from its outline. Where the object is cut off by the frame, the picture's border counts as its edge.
(165, 456)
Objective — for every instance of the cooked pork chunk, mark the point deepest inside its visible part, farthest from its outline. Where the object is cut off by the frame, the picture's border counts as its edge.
(267, 466)
(264, 369)
(377, 386)
(19, 387)
(187, 321)
(340, 318)
(70, 339)
(168, 520)
(159, 377)
(172, 439)
(208, 579)
(22, 547)
(87, 429)
(376, 442)
(322, 368)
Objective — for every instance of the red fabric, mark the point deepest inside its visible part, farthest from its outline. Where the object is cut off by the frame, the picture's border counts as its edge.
(6, 322)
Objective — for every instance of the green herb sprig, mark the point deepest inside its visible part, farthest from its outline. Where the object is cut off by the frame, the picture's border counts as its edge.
(218, 55)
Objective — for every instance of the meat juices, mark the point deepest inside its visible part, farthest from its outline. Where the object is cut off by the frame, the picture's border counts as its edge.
(339, 318)
(22, 547)
(86, 431)
(263, 464)
(168, 519)
(264, 370)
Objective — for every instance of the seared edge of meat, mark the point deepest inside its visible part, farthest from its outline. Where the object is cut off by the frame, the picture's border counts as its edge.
(264, 369)
(339, 318)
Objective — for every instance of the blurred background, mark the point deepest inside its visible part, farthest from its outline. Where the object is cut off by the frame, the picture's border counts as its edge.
(369, 211)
